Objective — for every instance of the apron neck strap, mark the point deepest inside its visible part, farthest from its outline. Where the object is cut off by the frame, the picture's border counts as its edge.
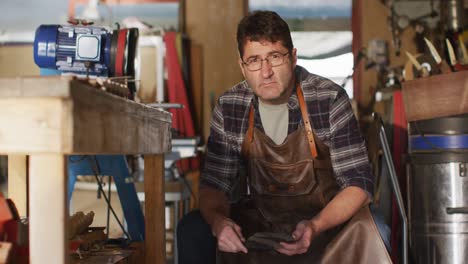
(305, 118)
(249, 133)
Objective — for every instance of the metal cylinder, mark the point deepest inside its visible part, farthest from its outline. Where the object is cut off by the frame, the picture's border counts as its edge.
(438, 202)
(438, 192)
(455, 17)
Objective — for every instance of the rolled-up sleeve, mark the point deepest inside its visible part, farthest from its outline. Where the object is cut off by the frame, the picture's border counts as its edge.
(348, 148)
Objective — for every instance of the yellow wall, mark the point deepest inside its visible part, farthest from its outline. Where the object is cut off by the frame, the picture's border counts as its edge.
(17, 60)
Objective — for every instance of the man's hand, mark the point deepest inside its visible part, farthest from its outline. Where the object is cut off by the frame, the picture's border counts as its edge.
(303, 235)
(229, 235)
(341, 208)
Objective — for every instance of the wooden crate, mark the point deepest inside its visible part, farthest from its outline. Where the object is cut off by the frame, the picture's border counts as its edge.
(436, 96)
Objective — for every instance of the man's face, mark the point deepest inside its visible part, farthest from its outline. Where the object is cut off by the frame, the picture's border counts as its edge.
(273, 85)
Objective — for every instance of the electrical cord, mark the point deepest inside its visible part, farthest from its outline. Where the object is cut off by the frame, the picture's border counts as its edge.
(189, 188)
(109, 194)
(95, 169)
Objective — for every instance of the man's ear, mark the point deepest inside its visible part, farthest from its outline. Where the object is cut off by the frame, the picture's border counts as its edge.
(241, 65)
(294, 57)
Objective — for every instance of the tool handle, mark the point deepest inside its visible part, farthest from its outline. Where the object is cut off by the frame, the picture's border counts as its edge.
(457, 210)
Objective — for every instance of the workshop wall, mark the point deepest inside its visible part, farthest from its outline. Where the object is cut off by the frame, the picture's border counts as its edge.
(373, 24)
(213, 25)
(17, 60)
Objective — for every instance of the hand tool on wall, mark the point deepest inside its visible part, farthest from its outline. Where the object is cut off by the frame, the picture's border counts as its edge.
(456, 65)
(451, 53)
(420, 70)
(461, 43)
(442, 65)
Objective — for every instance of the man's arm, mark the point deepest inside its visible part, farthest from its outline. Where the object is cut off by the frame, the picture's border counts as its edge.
(213, 204)
(341, 208)
(221, 165)
(214, 207)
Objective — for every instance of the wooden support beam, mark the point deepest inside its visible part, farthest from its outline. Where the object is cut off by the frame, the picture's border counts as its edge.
(48, 221)
(155, 241)
(18, 183)
(61, 115)
(213, 26)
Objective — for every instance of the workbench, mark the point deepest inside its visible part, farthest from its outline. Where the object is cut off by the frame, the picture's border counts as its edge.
(49, 118)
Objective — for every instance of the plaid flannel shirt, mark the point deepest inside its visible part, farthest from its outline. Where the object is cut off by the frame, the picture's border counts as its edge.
(332, 120)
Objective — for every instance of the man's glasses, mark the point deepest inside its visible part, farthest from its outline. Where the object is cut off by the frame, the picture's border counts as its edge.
(255, 63)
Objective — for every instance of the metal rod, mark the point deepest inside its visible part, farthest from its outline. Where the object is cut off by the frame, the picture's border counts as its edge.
(395, 186)
(457, 210)
(166, 105)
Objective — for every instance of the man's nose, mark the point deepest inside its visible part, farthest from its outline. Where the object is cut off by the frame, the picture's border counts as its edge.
(267, 69)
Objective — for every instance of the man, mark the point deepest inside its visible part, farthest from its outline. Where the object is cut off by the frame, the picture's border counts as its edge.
(287, 144)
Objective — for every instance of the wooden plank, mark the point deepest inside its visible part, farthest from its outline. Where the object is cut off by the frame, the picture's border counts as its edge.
(39, 86)
(17, 183)
(147, 90)
(78, 119)
(436, 96)
(32, 125)
(213, 25)
(155, 247)
(196, 82)
(111, 124)
(48, 209)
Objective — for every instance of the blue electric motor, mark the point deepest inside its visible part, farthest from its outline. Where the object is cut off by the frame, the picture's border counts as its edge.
(86, 50)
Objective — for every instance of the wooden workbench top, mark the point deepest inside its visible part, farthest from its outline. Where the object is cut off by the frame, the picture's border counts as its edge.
(65, 115)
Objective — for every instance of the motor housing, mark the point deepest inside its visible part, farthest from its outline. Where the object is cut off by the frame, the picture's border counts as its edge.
(86, 50)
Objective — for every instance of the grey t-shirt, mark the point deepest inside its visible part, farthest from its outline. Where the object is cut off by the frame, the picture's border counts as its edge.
(274, 120)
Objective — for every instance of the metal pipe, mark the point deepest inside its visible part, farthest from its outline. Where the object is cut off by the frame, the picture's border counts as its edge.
(166, 105)
(395, 185)
(455, 19)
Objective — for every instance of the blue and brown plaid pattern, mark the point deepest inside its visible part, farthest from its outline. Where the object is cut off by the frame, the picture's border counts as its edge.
(332, 120)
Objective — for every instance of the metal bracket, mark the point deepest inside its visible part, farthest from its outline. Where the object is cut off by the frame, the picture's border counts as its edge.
(462, 169)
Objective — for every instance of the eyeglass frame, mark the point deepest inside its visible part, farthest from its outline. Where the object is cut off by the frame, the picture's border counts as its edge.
(266, 59)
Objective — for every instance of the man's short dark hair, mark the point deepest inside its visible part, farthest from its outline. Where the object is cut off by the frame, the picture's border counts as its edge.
(263, 26)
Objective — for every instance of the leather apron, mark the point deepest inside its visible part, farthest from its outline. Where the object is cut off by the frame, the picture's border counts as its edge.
(291, 182)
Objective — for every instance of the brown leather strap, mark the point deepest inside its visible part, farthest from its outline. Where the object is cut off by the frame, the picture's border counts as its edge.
(251, 124)
(305, 118)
